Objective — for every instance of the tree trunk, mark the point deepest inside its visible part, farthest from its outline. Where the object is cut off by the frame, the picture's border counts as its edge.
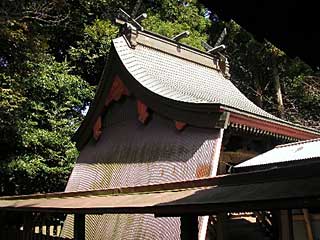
(258, 89)
(277, 86)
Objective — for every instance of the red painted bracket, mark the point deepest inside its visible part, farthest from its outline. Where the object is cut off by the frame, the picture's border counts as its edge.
(180, 125)
(97, 129)
(118, 89)
(142, 112)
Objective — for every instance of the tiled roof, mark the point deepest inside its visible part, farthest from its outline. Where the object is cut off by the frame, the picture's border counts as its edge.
(182, 80)
(293, 153)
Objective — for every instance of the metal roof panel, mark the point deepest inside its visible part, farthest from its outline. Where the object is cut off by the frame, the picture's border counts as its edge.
(288, 153)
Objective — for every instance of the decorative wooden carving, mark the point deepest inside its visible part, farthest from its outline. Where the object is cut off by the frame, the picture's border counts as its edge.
(180, 125)
(97, 129)
(142, 111)
(118, 89)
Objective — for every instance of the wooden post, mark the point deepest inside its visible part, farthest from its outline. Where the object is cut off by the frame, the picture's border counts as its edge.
(221, 226)
(189, 227)
(27, 225)
(79, 227)
(2, 225)
(275, 223)
(286, 225)
(47, 222)
(213, 172)
(308, 223)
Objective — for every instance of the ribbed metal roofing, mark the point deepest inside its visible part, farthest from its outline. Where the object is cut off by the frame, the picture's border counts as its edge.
(305, 150)
(182, 80)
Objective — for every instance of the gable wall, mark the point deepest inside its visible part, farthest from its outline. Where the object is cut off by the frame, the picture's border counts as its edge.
(129, 153)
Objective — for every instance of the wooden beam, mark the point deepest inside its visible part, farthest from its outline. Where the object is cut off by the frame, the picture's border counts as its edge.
(308, 223)
(79, 227)
(312, 217)
(189, 227)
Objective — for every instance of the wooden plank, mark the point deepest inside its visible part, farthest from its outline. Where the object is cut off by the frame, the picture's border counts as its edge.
(308, 224)
(79, 227)
(285, 173)
(189, 227)
(241, 192)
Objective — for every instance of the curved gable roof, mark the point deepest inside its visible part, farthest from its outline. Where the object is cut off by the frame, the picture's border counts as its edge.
(182, 80)
(181, 83)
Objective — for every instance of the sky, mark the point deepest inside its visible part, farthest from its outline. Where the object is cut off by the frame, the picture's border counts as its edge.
(292, 26)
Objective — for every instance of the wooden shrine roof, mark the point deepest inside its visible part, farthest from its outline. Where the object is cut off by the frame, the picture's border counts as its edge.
(283, 188)
(183, 84)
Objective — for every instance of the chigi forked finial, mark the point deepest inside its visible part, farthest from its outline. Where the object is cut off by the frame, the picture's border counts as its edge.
(218, 47)
(178, 37)
(216, 50)
(124, 18)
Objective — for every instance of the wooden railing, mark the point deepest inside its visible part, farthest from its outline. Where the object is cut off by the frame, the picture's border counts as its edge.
(29, 226)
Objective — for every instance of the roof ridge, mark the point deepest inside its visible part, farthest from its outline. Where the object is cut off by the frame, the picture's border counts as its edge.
(180, 50)
(197, 50)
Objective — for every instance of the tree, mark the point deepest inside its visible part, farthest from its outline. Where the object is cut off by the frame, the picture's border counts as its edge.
(170, 17)
(90, 54)
(47, 113)
(269, 77)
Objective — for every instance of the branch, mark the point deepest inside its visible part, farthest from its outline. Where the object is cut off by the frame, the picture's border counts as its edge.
(40, 12)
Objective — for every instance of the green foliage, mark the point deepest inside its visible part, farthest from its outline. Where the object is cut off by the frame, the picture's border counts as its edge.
(303, 99)
(11, 102)
(44, 111)
(90, 54)
(170, 17)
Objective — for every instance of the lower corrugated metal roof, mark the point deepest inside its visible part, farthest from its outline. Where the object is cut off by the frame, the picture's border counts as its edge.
(293, 153)
(279, 188)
